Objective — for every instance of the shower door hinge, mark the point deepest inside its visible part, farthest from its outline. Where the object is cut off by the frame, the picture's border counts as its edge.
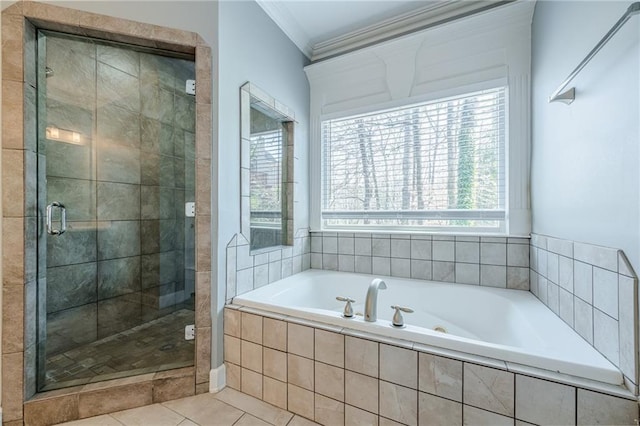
(190, 87)
(190, 209)
(190, 332)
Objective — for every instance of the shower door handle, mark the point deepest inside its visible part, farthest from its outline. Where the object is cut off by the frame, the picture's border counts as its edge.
(63, 218)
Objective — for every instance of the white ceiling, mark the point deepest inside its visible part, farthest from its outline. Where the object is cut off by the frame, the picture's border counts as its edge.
(325, 28)
(323, 20)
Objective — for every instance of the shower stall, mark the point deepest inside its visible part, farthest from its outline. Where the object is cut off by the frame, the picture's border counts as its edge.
(116, 193)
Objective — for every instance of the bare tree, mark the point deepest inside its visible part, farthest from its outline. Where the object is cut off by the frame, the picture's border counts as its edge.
(436, 156)
(451, 155)
(466, 161)
(417, 158)
(363, 139)
(406, 160)
(374, 175)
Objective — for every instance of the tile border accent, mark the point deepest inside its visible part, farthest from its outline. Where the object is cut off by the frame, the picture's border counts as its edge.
(486, 261)
(594, 290)
(19, 144)
(489, 389)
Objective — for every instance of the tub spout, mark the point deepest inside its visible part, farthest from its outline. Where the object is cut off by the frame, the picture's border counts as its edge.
(371, 302)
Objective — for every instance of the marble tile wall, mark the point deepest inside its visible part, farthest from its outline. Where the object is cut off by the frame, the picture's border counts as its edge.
(595, 291)
(337, 377)
(124, 186)
(485, 261)
(247, 270)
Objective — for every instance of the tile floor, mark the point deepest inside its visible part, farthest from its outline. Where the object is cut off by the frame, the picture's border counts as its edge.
(225, 408)
(152, 346)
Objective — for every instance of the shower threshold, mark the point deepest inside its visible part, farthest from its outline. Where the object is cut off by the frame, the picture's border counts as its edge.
(146, 348)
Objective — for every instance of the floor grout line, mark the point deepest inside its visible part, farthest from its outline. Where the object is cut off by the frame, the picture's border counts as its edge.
(187, 418)
(180, 414)
(116, 419)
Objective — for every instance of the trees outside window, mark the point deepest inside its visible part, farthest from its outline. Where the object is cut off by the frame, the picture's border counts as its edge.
(438, 164)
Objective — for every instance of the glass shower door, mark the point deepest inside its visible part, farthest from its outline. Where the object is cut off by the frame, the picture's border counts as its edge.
(116, 165)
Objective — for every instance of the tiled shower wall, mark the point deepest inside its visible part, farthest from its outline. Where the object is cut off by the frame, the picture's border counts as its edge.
(594, 290)
(19, 144)
(124, 188)
(485, 261)
(246, 271)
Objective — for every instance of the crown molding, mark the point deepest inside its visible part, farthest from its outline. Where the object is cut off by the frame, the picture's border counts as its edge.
(401, 25)
(398, 26)
(288, 24)
(509, 15)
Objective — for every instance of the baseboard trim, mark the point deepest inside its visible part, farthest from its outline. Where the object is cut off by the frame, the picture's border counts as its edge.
(217, 379)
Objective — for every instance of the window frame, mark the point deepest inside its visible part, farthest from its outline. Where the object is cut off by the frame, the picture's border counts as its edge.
(434, 62)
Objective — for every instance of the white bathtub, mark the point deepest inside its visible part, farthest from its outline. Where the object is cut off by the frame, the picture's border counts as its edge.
(508, 325)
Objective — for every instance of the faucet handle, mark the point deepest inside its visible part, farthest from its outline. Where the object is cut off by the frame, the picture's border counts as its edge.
(348, 309)
(398, 320)
(402, 308)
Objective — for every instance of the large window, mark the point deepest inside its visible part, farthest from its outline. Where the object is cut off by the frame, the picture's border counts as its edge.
(438, 165)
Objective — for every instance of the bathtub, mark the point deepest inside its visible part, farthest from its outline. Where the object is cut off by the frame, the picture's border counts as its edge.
(507, 325)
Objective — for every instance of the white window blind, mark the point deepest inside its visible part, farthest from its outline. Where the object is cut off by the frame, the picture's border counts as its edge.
(266, 156)
(435, 165)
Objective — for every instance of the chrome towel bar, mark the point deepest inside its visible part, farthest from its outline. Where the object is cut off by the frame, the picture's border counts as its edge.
(568, 95)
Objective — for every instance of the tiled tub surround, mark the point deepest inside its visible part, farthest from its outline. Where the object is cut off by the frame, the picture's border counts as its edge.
(247, 271)
(338, 376)
(595, 291)
(468, 315)
(486, 261)
(19, 144)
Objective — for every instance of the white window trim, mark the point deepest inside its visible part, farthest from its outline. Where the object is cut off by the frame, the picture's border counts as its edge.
(385, 75)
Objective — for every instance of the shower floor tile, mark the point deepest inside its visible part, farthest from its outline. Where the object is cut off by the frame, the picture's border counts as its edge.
(225, 408)
(153, 346)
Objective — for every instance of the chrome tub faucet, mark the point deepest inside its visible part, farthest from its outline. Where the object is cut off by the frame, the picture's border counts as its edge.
(371, 302)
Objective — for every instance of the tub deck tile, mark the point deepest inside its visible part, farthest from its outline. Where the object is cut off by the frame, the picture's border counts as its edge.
(261, 312)
(382, 339)
(476, 416)
(476, 359)
(494, 391)
(489, 389)
(543, 402)
(440, 376)
(580, 382)
(438, 411)
(596, 408)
